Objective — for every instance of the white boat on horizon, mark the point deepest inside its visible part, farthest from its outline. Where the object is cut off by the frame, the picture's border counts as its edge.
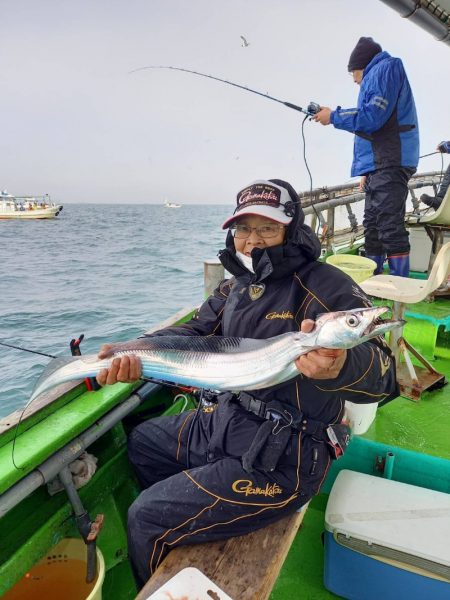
(168, 204)
(27, 207)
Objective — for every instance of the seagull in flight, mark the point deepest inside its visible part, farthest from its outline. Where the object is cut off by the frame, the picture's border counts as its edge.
(244, 42)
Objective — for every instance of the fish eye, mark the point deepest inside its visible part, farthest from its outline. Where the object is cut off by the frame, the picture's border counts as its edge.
(352, 320)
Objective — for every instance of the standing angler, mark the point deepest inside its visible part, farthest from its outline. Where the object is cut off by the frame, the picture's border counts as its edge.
(386, 149)
(247, 459)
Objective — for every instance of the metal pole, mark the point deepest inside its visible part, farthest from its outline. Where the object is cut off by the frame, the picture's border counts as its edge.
(398, 312)
(330, 230)
(417, 180)
(53, 465)
(332, 203)
(214, 273)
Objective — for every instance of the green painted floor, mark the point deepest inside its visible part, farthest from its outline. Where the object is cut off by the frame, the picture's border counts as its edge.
(422, 426)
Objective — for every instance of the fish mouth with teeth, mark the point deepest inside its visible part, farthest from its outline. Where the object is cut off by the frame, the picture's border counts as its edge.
(380, 326)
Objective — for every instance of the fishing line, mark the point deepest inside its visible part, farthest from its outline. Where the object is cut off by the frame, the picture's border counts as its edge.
(195, 417)
(16, 429)
(310, 177)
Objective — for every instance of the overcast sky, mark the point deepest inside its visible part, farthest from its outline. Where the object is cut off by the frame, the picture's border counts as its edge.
(77, 125)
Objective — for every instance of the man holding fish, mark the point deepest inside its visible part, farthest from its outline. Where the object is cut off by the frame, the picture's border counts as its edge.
(247, 458)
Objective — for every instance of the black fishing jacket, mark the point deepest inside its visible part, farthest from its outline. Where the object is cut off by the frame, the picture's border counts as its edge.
(296, 287)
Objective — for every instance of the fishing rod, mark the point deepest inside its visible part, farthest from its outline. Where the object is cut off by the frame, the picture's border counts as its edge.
(310, 110)
(442, 163)
(430, 154)
(26, 350)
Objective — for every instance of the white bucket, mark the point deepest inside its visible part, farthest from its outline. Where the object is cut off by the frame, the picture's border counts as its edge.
(360, 416)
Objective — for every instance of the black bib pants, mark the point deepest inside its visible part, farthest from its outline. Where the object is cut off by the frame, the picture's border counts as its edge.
(215, 498)
(384, 211)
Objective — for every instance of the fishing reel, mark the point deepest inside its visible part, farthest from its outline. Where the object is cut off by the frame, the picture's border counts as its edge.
(313, 108)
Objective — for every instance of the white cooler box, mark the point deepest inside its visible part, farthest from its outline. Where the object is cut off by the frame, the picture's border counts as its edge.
(386, 540)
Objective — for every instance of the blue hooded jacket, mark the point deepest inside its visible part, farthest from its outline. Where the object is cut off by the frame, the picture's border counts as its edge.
(385, 120)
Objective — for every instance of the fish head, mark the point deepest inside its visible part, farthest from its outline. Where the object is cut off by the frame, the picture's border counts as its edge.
(348, 328)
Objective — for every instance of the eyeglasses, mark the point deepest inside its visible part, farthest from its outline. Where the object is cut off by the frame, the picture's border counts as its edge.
(241, 232)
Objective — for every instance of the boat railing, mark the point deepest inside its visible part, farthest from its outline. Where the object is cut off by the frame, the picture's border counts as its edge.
(16, 202)
(321, 204)
(35, 200)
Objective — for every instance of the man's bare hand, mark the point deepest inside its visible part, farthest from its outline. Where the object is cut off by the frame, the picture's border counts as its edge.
(323, 116)
(324, 363)
(126, 369)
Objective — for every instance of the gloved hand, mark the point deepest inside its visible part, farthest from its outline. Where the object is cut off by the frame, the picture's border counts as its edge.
(444, 147)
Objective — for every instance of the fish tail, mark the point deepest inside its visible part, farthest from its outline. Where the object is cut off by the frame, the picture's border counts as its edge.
(63, 369)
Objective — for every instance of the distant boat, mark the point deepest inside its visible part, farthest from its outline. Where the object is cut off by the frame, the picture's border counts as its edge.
(171, 204)
(27, 207)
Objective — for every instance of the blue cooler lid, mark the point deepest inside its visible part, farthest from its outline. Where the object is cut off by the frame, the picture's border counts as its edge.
(391, 520)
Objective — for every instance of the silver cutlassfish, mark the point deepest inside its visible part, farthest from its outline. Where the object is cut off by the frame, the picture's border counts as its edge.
(226, 363)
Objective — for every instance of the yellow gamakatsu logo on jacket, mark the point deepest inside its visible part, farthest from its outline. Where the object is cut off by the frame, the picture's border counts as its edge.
(246, 486)
(286, 314)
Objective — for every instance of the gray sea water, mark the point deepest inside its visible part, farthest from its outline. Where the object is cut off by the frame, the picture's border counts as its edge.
(110, 272)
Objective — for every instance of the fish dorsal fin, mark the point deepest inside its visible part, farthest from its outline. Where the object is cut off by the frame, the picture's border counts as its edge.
(181, 343)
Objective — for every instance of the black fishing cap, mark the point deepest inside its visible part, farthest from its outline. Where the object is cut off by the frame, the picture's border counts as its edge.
(362, 53)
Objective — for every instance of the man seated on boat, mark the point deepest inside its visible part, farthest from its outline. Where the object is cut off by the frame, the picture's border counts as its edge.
(237, 464)
(435, 201)
(386, 149)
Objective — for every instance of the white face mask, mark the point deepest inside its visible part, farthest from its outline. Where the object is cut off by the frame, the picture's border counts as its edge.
(245, 260)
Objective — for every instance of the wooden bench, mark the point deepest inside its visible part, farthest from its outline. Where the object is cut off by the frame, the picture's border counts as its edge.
(244, 567)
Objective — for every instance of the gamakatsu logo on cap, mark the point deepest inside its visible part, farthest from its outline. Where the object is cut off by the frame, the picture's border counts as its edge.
(258, 194)
(246, 487)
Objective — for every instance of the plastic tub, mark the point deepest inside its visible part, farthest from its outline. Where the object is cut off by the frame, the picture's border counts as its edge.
(358, 267)
(61, 574)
